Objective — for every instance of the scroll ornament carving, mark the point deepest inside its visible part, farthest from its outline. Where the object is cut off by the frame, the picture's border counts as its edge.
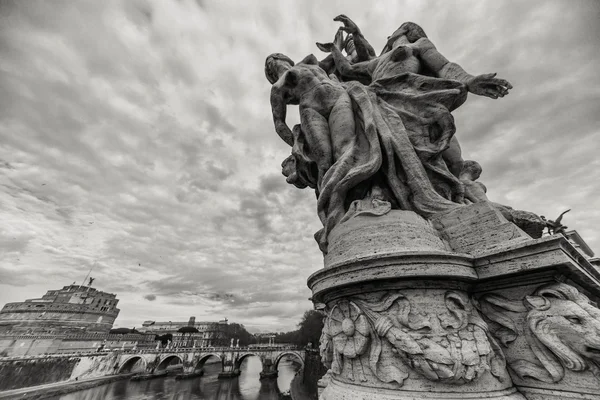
(561, 327)
(387, 338)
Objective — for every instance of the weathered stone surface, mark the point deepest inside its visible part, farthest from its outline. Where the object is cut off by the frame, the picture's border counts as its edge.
(386, 234)
(551, 338)
(476, 227)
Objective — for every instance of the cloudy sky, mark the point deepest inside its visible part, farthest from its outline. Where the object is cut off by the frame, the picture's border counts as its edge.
(136, 137)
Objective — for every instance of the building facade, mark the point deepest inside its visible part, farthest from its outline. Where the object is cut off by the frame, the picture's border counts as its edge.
(74, 309)
(209, 333)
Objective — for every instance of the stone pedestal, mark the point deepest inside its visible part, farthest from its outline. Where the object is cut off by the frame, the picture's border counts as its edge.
(229, 369)
(269, 369)
(408, 303)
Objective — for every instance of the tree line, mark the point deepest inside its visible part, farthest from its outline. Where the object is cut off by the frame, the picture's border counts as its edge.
(309, 331)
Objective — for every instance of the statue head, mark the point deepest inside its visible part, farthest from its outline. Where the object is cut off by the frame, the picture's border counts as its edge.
(275, 65)
(567, 324)
(409, 30)
(561, 327)
(471, 170)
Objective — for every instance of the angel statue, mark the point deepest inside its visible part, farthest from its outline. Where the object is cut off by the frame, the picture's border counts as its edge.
(377, 134)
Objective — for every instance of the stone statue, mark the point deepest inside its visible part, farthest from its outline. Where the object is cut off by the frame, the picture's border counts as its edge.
(556, 227)
(391, 142)
(409, 50)
(429, 290)
(474, 191)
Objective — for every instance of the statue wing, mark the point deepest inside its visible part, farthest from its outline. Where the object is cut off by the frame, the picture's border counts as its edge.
(561, 216)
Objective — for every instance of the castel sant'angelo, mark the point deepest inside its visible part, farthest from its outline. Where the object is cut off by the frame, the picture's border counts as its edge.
(72, 309)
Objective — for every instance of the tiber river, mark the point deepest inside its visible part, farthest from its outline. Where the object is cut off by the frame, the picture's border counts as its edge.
(247, 386)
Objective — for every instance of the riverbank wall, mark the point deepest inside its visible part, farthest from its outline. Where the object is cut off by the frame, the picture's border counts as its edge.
(33, 345)
(44, 391)
(20, 372)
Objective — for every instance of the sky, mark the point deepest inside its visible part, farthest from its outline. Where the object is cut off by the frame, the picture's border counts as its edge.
(136, 138)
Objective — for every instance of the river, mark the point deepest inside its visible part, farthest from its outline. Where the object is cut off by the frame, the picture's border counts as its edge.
(247, 386)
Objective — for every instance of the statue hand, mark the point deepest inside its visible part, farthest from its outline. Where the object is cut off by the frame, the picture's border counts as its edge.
(326, 47)
(349, 25)
(338, 40)
(487, 85)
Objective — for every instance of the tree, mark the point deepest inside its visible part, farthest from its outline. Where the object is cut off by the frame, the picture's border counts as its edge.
(309, 330)
(224, 333)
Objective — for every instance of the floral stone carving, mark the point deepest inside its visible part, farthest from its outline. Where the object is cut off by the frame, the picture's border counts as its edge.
(560, 325)
(382, 338)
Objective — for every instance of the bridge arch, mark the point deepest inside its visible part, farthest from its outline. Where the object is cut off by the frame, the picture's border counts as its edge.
(167, 360)
(292, 353)
(129, 364)
(204, 358)
(242, 356)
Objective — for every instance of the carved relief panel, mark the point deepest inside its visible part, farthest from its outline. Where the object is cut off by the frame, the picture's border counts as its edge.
(411, 336)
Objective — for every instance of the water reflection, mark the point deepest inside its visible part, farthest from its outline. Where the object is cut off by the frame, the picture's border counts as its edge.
(247, 386)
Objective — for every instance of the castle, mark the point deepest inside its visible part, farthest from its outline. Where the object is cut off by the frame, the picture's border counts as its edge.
(74, 309)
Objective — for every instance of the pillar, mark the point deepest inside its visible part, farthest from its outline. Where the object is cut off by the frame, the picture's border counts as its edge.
(229, 369)
(269, 369)
(400, 321)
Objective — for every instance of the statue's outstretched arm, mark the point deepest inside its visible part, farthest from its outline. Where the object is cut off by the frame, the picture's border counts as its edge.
(483, 85)
(439, 64)
(279, 109)
(363, 48)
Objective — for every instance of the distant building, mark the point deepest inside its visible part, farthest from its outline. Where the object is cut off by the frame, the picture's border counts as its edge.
(208, 332)
(577, 241)
(74, 309)
(266, 339)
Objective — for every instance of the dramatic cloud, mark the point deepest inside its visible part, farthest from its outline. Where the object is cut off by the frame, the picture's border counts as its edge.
(137, 141)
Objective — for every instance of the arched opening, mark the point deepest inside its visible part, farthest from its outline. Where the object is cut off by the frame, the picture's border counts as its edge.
(133, 364)
(287, 365)
(244, 357)
(209, 364)
(170, 363)
(249, 366)
(290, 356)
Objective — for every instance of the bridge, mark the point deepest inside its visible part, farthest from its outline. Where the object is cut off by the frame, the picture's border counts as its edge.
(153, 363)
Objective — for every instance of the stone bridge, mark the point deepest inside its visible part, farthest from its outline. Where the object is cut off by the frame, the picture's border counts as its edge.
(156, 362)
